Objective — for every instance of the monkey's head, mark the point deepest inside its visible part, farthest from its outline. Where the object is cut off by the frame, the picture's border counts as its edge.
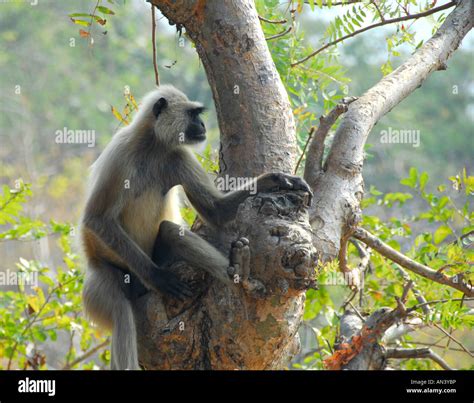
(176, 119)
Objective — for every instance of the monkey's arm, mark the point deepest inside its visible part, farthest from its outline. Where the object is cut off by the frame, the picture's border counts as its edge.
(217, 207)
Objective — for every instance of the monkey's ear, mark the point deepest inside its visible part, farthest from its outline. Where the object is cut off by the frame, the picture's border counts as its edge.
(159, 106)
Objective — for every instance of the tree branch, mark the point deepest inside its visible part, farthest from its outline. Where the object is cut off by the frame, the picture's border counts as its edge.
(272, 21)
(376, 25)
(86, 355)
(347, 152)
(404, 353)
(338, 3)
(419, 296)
(153, 40)
(314, 157)
(437, 301)
(404, 261)
(379, 12)
(283, 33)
(450, 336)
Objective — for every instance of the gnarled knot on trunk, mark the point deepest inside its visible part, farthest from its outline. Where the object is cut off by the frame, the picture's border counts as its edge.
(230, 327)
(281, 243)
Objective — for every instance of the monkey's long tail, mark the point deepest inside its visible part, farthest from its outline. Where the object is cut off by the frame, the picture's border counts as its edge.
(124, 337)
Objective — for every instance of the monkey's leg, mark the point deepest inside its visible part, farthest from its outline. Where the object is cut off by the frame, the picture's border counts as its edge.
(130, 284)
(175, 243)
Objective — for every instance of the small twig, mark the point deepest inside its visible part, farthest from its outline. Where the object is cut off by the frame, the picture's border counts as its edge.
(437, 301)
(453, 339)
(89, 30)
(356, 311)
(71, 346)
(283, 33)
(338, 3)
(349, 299)
(418, 295)
(404, 261)
(423, 352)
(272, 21)
(406, 289)
(87, 354)
(310, 135)
(374, 2)
(438, 346)
(379, 24)
(153, 39)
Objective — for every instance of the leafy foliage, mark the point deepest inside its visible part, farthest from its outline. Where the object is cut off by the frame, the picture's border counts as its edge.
(96, 18)
(39, 304)
(448, 247)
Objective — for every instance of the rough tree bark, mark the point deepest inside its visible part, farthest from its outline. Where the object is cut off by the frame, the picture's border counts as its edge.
(225, 327)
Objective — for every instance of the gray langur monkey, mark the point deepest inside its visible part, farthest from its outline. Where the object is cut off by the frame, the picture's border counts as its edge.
(131, 224)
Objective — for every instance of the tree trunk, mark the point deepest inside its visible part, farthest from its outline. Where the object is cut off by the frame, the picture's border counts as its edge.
(226, 327)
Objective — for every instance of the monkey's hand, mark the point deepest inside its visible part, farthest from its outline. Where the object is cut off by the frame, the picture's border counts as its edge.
(274, 182)
(166, 282)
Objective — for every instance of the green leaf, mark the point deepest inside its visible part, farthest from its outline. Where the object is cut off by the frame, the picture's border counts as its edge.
(423, 180)
(412, 178)
(80, 22)
(105, 10)
(442, 232)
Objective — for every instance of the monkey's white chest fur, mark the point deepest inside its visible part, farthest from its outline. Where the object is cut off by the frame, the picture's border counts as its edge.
(141, 217)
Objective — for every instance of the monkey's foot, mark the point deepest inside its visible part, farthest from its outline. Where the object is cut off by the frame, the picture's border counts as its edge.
(239, 268)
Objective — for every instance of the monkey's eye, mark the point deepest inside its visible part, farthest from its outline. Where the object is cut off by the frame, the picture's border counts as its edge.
(196, 111)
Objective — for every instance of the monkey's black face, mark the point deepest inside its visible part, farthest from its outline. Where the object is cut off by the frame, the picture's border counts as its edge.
(196, 130)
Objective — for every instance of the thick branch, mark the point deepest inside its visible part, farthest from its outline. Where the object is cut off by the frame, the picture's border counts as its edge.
(347, 153)
(314, 157)
(404, 261)
(376, 25)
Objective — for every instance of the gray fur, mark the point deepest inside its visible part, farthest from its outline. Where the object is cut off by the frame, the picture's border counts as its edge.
(133, 229)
